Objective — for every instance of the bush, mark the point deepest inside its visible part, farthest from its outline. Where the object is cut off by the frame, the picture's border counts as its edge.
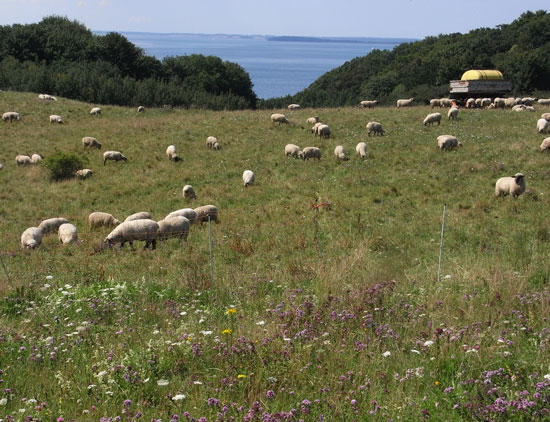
(63, 165)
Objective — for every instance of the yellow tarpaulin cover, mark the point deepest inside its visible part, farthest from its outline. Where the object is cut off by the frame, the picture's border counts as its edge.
(476, 75)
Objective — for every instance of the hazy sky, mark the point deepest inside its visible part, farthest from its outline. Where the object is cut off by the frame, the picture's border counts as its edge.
(357, 18)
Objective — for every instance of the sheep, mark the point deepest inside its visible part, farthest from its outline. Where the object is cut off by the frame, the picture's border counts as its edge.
(188, 213)
(248, 177)
(452, 114)
(23, 160)
(47, 97)
(114, 156)
(368, 103)
(513, 186)
(432, 118)
(189, 192)
(310, 152)
(100, 219)
(141, 109)
(374, 127)
(89, 141)
(447, 142)
(171, 153)
(545, 145)
(499, 102)
(96, 111)
(528, 101)
(176, 226)
(279, 118)
(51, 224)
(477, 102)
(291, 149)
(294, 107)
(54, 118)
(36, 158)
(545, 116)
(130, 231)
(361, 149)
(31, 238)
(1, 166)
(313, 120)
(544, 101)
(485, 102)
(10, 116)
(470, 103)
(543, 126)
(446, 102)
(212, 142)
(405, 103)
(518, 107)
(315, 127)
(83, 173)
(530, 108)
(323, 131)
(207, 211)
(435, 102)
(142, 215)
(340, 153)
(67, 233)
(509, 102)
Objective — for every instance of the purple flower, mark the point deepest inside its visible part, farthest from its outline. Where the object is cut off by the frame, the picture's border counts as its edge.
(127, 403)
(270, 394)
(213, 402)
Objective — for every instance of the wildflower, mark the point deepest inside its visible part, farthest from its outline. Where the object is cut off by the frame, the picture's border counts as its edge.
(436, 383)
(428, 343)
(3, 401)
(386, 354)
(231, 311)
(270, 394)
(241, 376)
(49, 277)
(197, 382)
(206, 333)
(260, 323)
(60, 419)
(163, 382)
(178, 397)
(227, 331)
(415, 351)
(212, 402)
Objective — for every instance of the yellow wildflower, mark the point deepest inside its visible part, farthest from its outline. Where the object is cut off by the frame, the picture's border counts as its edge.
(231, 311)
(241, 376)
(226, 331)
(436, 383)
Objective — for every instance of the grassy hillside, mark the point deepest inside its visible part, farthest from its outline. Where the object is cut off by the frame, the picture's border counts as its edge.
(332, 311)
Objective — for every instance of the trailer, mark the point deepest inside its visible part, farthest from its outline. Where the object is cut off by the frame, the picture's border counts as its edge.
(479, 83)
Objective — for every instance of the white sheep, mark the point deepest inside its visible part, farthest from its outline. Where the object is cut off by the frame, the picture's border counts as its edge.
(405, 103)
(543, 126)
(452, 114)
(447, 142)
(188, 213)
(293, 150)
(279, 118)
(545, 116)
(530, 108)
(361, 149)
(207, 211)
(374, 127)
(89, 141)
(176, 226)
(1, 166)
(50, 225)
(499, 102)
(141, 109)
(368, 103)
(323, 131)
(171, 153)
(485, 102)
(47, 97)
(446, 102)
(113, 156)
(544, 101)
(310, 152)
(545, 145)
(189, 192)
(513, 186)
(36, 158)
(212, 142)
(477, 102)
(136, 230)
(10, 116)
(67, 233)
(435, 102)
(315, 127)
(31, 238)
(55, 118)
(509, 102)
(101, 219)
(432, 118)
(23, 160)
(142, 215)
(518, 107)
(340, 153)
(470, 103)
(313, 120)
(96, 111)
(248, 177)
(294, 107)
(83, 173)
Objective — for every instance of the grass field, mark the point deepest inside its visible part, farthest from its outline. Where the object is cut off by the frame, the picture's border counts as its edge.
(329, 313)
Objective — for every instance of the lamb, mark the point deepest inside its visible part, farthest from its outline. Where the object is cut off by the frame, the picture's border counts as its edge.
(130, 231)
(142, 215)
(50, 225)
(544, 101)
(435, 102)
(310, 152)
(83, 173)
(453, 113)
(23, 160)
(545, 116)
(323, 131)
(54, 118)
(176, 226)
(368, 103)
(114, 156)
(291, 149)
(279, 118)
(189, 192)
(89, 141)
(207, 211)
(188, 213)
(96, 111)
(313, 120)
(447, 142)
(374, 127)
(543, 126)
(67, 233)
(340, 153)
(294, 107)
(212, 142)
(141, 109)
(31, 238)
(405, 103)
(248, 177)
(432, 118)
(513, 186)
(100, 219)
(446, 102)
(171, 153)
(10, 116)
(545, 146)
(36, 158)
(361, 149)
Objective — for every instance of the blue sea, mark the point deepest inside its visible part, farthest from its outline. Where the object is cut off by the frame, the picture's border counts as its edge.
(276, 68)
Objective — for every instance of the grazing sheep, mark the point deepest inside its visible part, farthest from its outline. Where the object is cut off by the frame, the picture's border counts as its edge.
(374, 127)
(171, 153)
(513, 186)
(310, 152)
(189, 192)
(89, 141)
(291, 149)
(518, 107)
(83, 173)
(142, 215)
(279, 118)
(294, 107)
(530, 108)
(113, 156)
(248, 177)
(205, 211)
(96, 111)
(47, 97)
(54, 118)
(101, 219)
(545, 146)
(447, 142)
(405, 103)
(67, 233)
(10, 116)
(509, 102)
(435, 102)
(323, 131)
(36, 158)
(543, 126)
(485, 102)
(188, 213)
(50, 225)
(176, 226)
(477, 102)
(470, 103)
(368, 103)
(211, 142)
(361, 149)
(141, 109)
(499, 102)
(452, 113)
(340, 153)
(528, 101)
(446, 102)
(432, 118)
(23, 160)
(31, 238)
(130, 231)
(544, 101)
(313, 120)
(315, 127)
(545, 116)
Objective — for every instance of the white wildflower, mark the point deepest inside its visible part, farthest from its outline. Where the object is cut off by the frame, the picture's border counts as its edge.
(49, 277)
(178, 397)
(3, 401)
(428, 343)
(386, 354)
(206, 332)
(415, 351)
(163, 382)
(260, 323)
(197, 382)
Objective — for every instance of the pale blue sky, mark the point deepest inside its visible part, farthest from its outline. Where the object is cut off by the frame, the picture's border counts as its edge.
(352, 18)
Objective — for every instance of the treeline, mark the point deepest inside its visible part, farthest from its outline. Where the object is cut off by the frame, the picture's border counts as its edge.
(423, 69)
(62, 57)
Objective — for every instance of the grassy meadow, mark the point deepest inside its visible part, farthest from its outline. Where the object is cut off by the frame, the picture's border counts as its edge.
(329, 313)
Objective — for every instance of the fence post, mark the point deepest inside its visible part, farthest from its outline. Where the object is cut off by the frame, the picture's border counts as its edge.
(441, 243)
(210, 246)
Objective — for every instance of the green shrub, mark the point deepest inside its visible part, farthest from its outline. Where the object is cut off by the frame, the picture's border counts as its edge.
(63, 165)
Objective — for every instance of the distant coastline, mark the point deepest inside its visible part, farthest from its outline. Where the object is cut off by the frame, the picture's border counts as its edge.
(360, 40)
